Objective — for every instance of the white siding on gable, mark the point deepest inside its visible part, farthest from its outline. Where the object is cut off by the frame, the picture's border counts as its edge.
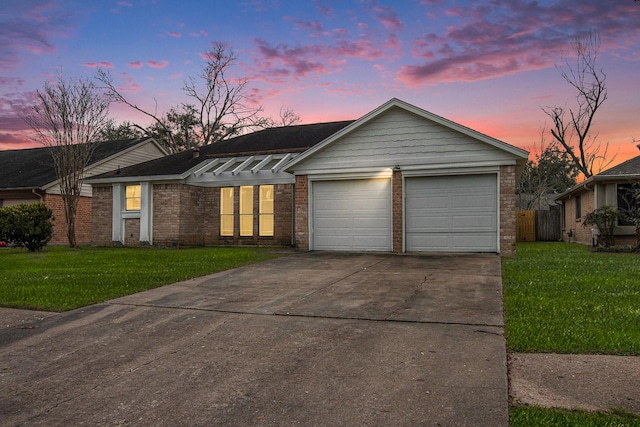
(139, 154)
(400, 138)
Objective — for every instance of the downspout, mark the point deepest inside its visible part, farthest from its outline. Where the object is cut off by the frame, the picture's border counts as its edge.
(33, 190)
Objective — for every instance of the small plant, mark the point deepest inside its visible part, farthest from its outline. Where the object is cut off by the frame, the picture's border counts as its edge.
(27, 225)
(604, 220)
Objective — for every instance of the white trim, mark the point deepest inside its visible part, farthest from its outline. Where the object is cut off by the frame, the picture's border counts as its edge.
(208, 164)
(146, 213)
(351, 173)
(224, 167)
(117, 225)
(284, 160)
(242, 166)
(262, 163)
(460, 170)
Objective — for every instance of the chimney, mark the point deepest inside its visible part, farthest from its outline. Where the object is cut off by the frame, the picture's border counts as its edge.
(195, 151)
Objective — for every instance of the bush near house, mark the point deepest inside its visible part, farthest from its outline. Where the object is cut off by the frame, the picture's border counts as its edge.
(27, 225)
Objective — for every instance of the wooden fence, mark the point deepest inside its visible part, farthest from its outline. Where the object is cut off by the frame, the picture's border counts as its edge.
(540, 226)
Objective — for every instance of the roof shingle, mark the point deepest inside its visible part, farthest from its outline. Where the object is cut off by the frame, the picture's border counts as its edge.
(33, 167)
(272, 140)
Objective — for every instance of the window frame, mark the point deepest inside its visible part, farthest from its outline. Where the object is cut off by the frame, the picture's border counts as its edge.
(227, 214)
(578, 207)
(266, 211)
(246, 213)
(128, 198)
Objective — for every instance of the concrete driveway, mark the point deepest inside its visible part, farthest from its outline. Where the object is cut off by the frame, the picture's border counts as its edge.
(308, 339)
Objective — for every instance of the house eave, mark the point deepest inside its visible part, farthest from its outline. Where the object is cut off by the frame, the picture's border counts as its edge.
(585, 185)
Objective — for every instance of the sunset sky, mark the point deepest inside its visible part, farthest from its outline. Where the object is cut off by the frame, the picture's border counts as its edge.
(489, 65)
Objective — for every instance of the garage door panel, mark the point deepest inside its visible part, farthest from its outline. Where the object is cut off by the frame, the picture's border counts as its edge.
(351, 215)
(451, 213)
(481, 222)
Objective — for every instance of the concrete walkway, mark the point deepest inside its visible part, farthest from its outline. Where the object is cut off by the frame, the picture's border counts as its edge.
(309, 339)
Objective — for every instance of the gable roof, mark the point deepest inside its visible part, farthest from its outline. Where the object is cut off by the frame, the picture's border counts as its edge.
(32, 168)
(397, 103)
(629, 170)
(630, 167)
(285, 139)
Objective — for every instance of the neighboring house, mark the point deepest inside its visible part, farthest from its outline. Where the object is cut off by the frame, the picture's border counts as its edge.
(612, 187)
(398, 179)
(28, 176)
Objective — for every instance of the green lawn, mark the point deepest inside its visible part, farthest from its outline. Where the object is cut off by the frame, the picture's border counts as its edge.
(59, 278)
(563, 298)
(528, 416)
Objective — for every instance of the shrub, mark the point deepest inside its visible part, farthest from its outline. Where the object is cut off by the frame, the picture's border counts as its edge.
(604, 219)
(26, 225)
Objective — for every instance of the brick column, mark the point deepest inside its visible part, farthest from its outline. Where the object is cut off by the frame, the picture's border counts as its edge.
(396, 191)
(508, 211)
(302, 212)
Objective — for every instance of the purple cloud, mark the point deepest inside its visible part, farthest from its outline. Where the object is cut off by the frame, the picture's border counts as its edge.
(136, 64)
(489, 42)
(388, 17)
(30, 27)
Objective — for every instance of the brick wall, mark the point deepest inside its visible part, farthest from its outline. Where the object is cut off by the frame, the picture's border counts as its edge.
(185, 215)
(167, 209)
(191, 231)
(82, 223)
(102, 216)
(132, 232)
(581, 234)
(283, 194)
(396, 189)
(302, 212)
(508, 211)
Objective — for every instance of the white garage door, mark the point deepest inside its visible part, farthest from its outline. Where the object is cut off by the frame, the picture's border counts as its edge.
(351, 215)
(451, 213)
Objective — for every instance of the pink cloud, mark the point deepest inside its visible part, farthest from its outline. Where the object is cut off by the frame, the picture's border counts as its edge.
(158, 64)
(176, 76)
(30, 27)
(130, 86)
(174, 34)
(136, 64)
(101, 64)
(388, 17)
(487, 42)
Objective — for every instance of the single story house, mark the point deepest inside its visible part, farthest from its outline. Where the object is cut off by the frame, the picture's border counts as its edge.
(28, 176)
(397, 179)
(613, 187)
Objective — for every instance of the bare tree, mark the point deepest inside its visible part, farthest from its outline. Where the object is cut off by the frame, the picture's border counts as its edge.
(287, 117)
(67, 118)
(220, 108)
(574, 133)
